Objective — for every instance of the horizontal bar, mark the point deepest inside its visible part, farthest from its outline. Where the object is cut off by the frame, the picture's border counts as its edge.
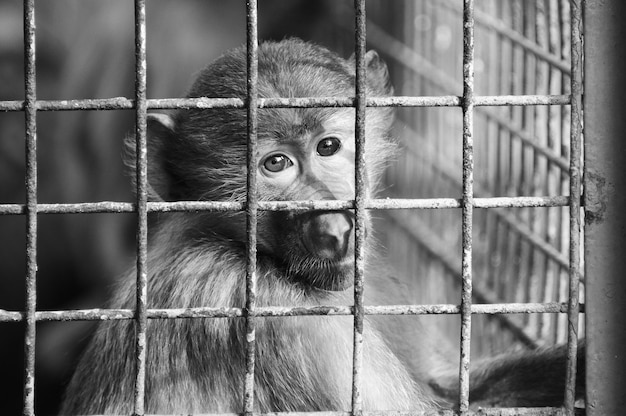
(523, 100)
(495, 411)
(274, 311)
(522, 202)
(221, 206)
(122, 103)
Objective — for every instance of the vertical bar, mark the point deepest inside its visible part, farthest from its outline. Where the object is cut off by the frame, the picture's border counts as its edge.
(468, 201)
(31, 206)
(605, 200)
(252, 201)
(142, 203)
(574, 204)
(359, 204)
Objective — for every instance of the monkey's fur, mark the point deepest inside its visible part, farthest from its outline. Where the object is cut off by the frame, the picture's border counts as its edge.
(198, 259)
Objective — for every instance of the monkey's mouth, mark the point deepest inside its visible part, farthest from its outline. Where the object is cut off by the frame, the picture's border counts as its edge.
(324, 274)
(317, 248)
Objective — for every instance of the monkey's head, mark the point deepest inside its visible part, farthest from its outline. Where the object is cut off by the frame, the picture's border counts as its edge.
(303, 154)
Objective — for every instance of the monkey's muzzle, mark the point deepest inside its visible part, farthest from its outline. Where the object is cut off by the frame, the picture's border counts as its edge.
(326, 255)
(329, 234)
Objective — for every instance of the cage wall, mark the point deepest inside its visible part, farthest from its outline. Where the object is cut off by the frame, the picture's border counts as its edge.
(520, 254)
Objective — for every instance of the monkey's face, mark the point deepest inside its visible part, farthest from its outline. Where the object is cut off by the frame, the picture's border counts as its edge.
(309, 158)
(304, 154)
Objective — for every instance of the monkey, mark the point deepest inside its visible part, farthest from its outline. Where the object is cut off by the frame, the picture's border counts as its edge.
(304, 258)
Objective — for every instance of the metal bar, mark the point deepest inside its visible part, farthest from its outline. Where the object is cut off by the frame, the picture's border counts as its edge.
(509, 100)
(522, 411)
(31, 206)
(121, 103)
(575, 208)
(468, 202)
(359, 204)
(492, 308)
(306, 205)
(252, 57)
(605, 199)
(141, 162)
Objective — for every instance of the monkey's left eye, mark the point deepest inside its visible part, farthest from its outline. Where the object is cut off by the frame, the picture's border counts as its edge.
(328, 146)
(277, 163)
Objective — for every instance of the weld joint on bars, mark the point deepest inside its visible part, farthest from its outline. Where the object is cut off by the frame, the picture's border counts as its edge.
(280, 311)
(123, 103)
(221, 206)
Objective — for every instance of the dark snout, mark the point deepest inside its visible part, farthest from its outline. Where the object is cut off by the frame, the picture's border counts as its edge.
(329, 234)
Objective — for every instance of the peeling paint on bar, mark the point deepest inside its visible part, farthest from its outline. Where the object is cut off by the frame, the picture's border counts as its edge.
(122, 103)
(509, 100)
(468, 203)
(219, 206)
(273, 311)
(30, 208)
(141, 164)
(359, 203)
(522, 411)
(252, 200)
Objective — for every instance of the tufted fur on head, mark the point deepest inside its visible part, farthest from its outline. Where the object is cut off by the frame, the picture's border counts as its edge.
(200, 154)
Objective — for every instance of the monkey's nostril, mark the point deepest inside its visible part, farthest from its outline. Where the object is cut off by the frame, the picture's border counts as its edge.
(330, 235)
(330, 245)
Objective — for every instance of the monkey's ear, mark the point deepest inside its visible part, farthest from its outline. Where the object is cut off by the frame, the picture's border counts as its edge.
(377, 74)
(160, 130)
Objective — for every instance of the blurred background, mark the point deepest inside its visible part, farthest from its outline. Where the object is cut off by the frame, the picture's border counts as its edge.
(85, 49)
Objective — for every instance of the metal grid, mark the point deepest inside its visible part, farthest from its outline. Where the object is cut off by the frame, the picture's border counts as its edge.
(521, 255)
(468, 101)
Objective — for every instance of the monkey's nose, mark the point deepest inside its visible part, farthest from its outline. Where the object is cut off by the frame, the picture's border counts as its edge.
(330, 234)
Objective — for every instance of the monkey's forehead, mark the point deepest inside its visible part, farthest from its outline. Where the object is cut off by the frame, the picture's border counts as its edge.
(290, 123)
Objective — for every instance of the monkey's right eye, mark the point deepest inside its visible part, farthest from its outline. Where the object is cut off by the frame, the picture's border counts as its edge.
(277, 163)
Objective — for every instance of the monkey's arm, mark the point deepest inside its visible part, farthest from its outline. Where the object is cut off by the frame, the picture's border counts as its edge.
(534, 378)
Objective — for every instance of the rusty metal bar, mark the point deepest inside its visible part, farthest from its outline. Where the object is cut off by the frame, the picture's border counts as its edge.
(252, 97)
(141, 164)
(509, 100)
(493, 308)
(575, 207)
(522, 411)
(31, 206)
(359, 204)
(605, 202)
(121, 103)
(468, 202)
(306, 205)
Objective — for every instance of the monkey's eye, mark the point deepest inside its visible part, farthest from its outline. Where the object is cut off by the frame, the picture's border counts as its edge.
(276, 163)
(328, 146)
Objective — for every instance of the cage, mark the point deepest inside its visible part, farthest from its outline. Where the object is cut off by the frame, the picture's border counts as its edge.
(481, 209)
